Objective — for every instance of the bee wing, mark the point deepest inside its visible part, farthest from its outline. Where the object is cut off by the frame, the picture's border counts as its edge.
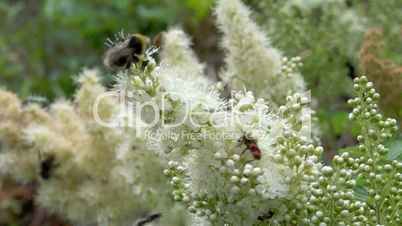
(113, 55)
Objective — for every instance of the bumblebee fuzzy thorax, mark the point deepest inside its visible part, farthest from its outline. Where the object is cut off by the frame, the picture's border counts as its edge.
(139, 43)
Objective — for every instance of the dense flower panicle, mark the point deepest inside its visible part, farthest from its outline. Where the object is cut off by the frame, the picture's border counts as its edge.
(14, 118)
(250, 59)
(301, 118)
(176, 51)
(381, 179)
(295, 148)
(86, 172)
(332, 195)
(10, 116)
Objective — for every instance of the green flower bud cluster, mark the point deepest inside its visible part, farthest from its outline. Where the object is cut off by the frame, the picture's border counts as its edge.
(295, 149)
(380, 178)
(304, 159)
(333, 200)
(201, 203)
(299, 115)
(142, 78)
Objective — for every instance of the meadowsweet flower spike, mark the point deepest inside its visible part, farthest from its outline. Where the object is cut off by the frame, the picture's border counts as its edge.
(380, 179)
(332, 193)
(298, 114)
(250, 59)
(176, 51)
(18, 160)
(86, 172)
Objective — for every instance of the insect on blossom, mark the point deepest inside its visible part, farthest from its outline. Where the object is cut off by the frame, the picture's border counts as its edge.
(252, 146)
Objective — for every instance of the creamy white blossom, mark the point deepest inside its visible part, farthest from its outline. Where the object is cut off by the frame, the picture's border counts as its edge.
(177, 51)
(93, 174)
(250, 59)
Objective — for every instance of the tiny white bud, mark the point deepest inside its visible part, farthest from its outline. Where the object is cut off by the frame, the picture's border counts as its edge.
(304, 100)
(244, 180)
(175, 179)
(257, 171)
(230, 163)
(248, 166)
(236, 157)
(217, 156)
(234, 179)
(246, 172)
(186, 199)
(252, 191)
(327, 170)
(166, 172)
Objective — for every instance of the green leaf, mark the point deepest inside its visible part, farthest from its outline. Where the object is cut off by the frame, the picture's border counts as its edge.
(395, 149)
(339, 122)
(361, 193)
(353, 151)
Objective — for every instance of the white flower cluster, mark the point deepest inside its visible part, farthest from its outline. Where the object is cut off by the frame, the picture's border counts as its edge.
(218, 176)
(86, 172)
(227, 165)
(176, 51)
(250, 59)
(290, 66)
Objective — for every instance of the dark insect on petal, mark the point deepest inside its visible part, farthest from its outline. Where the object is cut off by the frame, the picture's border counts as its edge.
(46, 167)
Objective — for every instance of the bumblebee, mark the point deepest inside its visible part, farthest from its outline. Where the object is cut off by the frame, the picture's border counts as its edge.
(125, 50)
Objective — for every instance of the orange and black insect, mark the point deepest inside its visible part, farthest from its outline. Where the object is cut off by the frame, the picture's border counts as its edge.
(252, 146)
(266, 216)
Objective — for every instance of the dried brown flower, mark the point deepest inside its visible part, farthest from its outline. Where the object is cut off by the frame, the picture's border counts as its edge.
(385, 74)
